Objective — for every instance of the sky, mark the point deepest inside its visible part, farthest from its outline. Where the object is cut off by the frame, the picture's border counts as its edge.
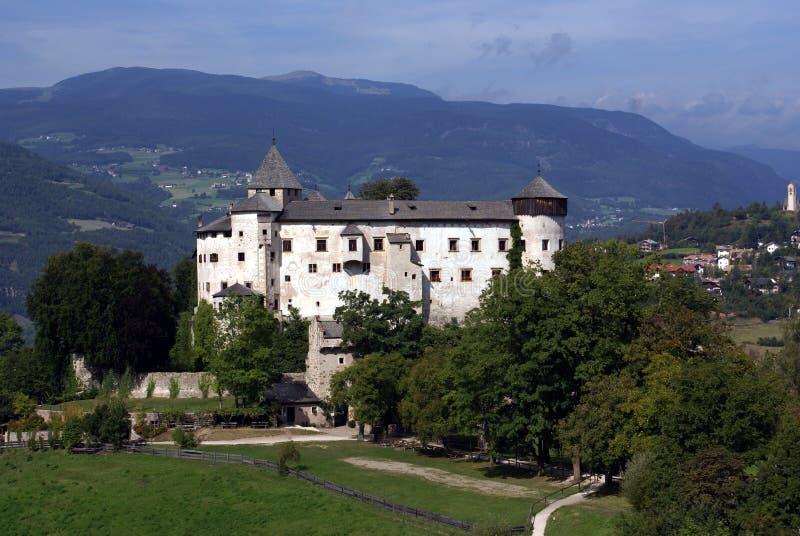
(719, 72)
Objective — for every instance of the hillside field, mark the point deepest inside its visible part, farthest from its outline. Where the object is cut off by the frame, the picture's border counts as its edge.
(58, 493)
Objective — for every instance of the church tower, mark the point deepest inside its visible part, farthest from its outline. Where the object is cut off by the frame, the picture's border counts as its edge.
(274, 178)
(791, 198)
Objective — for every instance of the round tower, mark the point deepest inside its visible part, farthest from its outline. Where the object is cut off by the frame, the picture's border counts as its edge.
(541, 211)
(791, 197)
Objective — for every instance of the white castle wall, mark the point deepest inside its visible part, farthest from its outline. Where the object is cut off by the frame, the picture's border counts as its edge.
(537, 229)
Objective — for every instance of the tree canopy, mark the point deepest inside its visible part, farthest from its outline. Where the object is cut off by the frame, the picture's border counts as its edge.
(105, 304)
(399, 187)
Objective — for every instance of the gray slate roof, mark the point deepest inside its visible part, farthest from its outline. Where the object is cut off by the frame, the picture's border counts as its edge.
(314, 195)
(291, 392)
(259, 202)
(236, 289)
(539, 187)
(331, 329)
(398, 238)
(274, 172)
(220, 224)
(351, 230)
(371, 210)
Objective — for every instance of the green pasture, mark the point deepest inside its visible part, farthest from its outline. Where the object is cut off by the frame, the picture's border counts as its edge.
(59, 493)
(152, 404)
(596, 516)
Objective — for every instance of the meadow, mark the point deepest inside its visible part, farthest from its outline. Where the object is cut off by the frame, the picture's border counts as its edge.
(58, 493)
(596, 516)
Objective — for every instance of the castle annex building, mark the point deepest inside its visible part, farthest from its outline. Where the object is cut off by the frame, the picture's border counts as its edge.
(301, 252)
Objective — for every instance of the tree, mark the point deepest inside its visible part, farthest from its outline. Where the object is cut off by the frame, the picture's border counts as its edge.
(185, 277)
(182, 355)
(10, 334)
(109, 423)
(244, 362)
(105, 304)
(424, 407)
(291, 343)
(371, 326)
(205, 333)
(372, 387)
(399, 187)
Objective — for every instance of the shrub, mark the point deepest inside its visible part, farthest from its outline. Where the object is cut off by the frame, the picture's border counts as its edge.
(107, 386)
(109, 423)
(73, 432)
(125, 385)
(174, 388)
(185, 439)
(174, 415)
(287, 453)
(151, 387)
(351, 423)
(770, 341)
(204, 384)
(145, 429)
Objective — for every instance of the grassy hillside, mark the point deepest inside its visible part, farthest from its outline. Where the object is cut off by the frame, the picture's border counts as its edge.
(56, 493)
(47, 207)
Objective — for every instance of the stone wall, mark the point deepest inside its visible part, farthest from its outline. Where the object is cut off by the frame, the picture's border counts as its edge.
(325, 358)
(189, 382)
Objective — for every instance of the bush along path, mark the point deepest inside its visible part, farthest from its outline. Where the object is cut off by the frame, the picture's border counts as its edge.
(539, 520)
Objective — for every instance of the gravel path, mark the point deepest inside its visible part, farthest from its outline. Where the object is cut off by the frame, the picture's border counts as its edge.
(541, 518)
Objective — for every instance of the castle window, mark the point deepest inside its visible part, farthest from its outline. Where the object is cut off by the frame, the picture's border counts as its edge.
(436, 276)
(466, 275)
(272, 255)
(545, 244)
(475, 244)
(496, 271)
(287, 278)
(214, 257)
(377, 244)
(241, 233)
(337, 267)
(419, 245)
(240, 255)
(312, 268)
(248, 284)
(213, 235)
(322, 244)
(226, 234)
(352, 244)
(223, 285)
(275, 304)
(287, 246)
(341, 361)
(561, 243)
(453, 244)
(199, 259)
(366, 268)
(502, 244)
(272, 282)
(272, 192)
(264, 232)
(208, 287)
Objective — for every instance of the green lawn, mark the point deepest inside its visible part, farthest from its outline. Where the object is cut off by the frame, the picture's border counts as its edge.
(747, 331)
(57, 493)
(326, 460)
(153, 404)
(594, 517)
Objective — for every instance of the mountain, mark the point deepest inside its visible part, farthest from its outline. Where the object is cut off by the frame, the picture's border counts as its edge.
(334, 132)
(785, 163)
(47, 207)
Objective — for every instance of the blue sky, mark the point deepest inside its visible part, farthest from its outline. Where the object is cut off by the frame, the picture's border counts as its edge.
(719, 72)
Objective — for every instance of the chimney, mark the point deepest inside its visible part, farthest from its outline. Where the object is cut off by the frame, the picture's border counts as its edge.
(391, 204)
(199, 221)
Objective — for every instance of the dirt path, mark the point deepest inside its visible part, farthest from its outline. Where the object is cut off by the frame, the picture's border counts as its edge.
(267, 440)
(487, 487)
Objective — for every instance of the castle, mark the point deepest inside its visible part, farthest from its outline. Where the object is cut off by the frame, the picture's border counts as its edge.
(302, 252)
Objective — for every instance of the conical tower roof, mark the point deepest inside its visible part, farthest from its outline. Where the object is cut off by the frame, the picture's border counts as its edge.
(541, 189)
(274, 172)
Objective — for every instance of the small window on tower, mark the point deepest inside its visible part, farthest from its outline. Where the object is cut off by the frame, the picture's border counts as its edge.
(264, 232)
(545, 244)
(419, 245)
(287, 278)
(241, 256)
(352, 244)
(377, 244)
(475, 244)
(272, 192)
(224, 285)
(466, 275)
(241, 233)
(322, 244)
(561, 243)
(312, 268)
(287, 246)
(453, 244)
(436, 276)
(337, 267)
(213, 257)
(502, 244)
(248, 284)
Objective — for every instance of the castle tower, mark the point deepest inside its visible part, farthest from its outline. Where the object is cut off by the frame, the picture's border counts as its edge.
(541, 211)
(791, 198)
(274, 177)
